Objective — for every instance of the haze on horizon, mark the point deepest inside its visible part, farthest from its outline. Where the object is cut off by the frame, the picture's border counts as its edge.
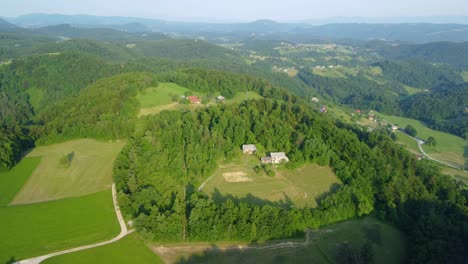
(240, 10)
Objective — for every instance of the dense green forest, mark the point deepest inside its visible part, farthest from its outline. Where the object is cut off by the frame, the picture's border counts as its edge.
(419, 74)
(379, 177)
(356, 91)
(450, 53)
(443, 109)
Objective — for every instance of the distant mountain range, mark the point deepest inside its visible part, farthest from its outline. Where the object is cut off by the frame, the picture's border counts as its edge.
(363, 29)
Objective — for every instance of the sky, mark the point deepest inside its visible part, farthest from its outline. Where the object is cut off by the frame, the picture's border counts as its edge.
(238, 10)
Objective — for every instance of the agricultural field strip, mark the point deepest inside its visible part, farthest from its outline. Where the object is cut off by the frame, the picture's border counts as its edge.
(123, 232)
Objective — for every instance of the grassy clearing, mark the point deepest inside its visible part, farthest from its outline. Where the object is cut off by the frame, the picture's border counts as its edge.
(412, 90)
(239, 97)
(89, 171)
(464, 74)
(11, 181)
(36, 229)
(388, 245)
(301, 186)
(130, 249)
(407, 142)
(449, 147)
(161, 95)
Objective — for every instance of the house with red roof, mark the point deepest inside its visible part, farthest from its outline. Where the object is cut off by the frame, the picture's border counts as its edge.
(193, 99)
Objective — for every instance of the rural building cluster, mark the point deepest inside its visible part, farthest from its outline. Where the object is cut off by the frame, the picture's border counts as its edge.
(274, 158)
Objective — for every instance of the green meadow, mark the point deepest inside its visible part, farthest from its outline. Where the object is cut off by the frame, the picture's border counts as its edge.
(449, 147)
(300, 186)
(36, 229)
(128, 250)
(12, 180)
(88, 170)
(161, 95)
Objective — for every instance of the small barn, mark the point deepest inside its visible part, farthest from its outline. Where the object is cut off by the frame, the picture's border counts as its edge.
(220, 97)
(278, 157)
(249, 148)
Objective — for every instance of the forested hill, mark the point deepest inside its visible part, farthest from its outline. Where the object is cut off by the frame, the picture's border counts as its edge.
(444, 108)
(378, 177)
(454, 54)
(419, 74)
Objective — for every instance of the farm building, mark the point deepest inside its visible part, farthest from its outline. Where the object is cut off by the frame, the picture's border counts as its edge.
(249, 148)
(394, 128)
(275, 157)
(220, 97)
(314, 100)
(193, 99)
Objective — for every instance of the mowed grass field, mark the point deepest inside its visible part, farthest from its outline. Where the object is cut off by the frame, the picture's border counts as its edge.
(449, 147)
(300, 186)
(407, 142)
(89, 171)
(129, 250)
(12, 180)
(388, 245)
(156, 99)
(161, 95)
(36, 229)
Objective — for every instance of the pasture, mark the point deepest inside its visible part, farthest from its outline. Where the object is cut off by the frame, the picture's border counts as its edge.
(161, 95)
(88, 171)
(12, 180)
(129, 250)
(449, 148)
(326, 245)
(300, 187)
(164, 97)
(36, 229)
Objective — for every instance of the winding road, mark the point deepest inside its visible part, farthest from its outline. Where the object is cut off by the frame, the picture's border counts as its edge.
(420, 142)
(123, 232)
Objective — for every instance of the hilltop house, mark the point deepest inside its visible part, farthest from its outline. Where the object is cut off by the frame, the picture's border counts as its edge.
(249, 148)
(193, 99)
(275, 157)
